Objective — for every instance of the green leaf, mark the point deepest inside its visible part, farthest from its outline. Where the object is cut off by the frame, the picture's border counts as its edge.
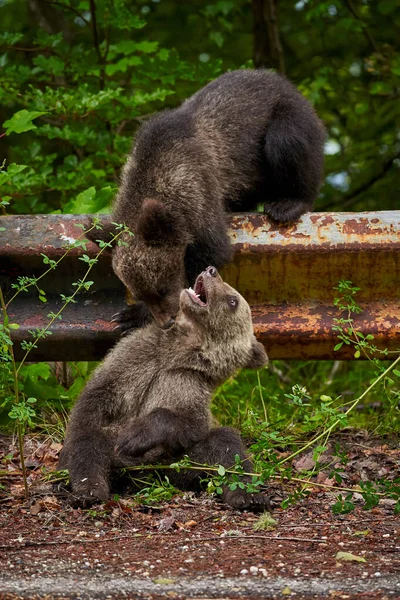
(91, 201)
(12, 170)
(348, 556)
(386, 7)
(21, 121)
(13, 326)
(10, 38)
(380, 88)
(324, 398)
(221, 470)
(217, 38)
(338, 346)
(36, 370)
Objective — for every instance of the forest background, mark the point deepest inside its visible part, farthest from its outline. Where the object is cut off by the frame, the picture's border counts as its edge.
(78, 77)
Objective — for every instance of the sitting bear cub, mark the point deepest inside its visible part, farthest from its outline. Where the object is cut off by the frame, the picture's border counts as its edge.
(149, 399)
(245, 139)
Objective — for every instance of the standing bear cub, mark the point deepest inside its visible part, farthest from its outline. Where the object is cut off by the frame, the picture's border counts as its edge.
(245, 139)
(149, 400)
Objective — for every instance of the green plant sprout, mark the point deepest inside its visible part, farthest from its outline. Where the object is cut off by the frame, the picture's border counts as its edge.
(22, 411)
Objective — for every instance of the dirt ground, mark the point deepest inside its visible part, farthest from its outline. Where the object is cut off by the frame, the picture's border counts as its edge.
(194, 546)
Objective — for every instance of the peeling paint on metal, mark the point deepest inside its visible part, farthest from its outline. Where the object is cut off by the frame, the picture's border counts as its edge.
(70, 240)
(287, 273)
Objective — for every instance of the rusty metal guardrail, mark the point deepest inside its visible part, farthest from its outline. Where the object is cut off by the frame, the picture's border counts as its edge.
(287, 273)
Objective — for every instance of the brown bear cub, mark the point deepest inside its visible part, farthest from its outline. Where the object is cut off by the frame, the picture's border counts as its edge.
(149, 400)
(245, 139)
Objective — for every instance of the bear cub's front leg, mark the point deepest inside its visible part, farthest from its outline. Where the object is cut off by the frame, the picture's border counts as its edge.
(88, 460)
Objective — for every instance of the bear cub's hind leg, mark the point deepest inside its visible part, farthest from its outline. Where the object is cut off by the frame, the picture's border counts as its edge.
(293, 147)
(220, 447)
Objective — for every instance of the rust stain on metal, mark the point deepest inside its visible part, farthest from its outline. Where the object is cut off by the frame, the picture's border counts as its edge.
(288, 273)
(33, 321)
(300, 235)
(105, 325)
(360, 227)
(322, 220)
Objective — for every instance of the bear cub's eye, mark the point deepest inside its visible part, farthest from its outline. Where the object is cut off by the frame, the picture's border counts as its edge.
(233, 301)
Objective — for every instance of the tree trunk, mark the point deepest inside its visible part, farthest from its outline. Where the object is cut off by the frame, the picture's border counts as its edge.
(267, 46)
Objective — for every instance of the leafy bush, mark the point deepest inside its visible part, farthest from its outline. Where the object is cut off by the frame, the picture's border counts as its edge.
(79, 76)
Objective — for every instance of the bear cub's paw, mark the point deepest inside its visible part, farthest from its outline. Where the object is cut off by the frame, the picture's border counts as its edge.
(88, 492)
(132, 441)
(242, 500)
(133, 317)
(286, 210)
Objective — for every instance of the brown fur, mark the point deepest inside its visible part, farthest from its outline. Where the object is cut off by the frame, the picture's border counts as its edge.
(149, 399)
(249, 137)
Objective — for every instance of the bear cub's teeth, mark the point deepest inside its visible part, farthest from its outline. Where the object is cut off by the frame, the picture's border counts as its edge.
(193, 292)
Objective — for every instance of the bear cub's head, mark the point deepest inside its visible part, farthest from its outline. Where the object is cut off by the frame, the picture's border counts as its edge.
(151, 265)
(221, 317)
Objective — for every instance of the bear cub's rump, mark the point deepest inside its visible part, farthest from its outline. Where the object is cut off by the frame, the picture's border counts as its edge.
(149, 399)
(245, 139)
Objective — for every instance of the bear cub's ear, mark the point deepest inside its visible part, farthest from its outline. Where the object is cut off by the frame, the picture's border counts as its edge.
(157, 225)
(105, 234)
(258, 356)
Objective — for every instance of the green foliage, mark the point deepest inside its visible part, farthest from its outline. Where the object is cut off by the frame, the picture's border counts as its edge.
(79, 77)
(260, 405)
(87, 85)
(21, 121)
(154, 489)
(22, 384)
(266, 522)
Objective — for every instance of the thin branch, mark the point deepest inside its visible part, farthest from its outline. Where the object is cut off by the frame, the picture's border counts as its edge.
(32, 543)
(352, 197)
(259, 537)
(20, 432)
(38, 49)
(97, 45)
(367, 34)
(66, 7)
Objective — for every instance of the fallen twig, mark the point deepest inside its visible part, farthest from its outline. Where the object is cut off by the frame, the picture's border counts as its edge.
(259, 537)
(31, 543)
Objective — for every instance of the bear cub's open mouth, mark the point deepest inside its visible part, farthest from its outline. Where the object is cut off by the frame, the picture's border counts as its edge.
(199, 294)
